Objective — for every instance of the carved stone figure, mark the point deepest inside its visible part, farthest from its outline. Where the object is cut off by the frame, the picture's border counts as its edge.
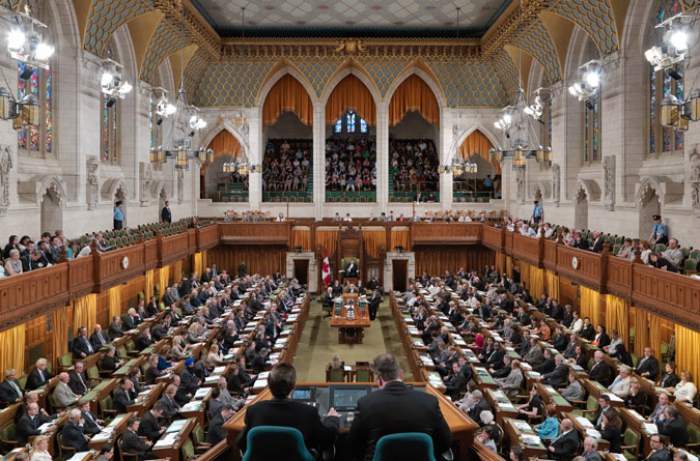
(695, 184)
(180, 186)
(92, 183)
(146, 182)
(609, 181)
(556, 183)
(5, 167)
(520, 182)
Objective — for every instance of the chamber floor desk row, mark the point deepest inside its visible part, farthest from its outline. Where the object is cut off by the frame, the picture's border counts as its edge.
(344, 397)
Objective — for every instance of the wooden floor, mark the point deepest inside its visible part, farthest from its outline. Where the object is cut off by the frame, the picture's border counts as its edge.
(319, 343)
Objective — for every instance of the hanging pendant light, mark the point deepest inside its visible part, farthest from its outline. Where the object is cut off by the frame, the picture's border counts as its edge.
(30, 113)
(182, 162)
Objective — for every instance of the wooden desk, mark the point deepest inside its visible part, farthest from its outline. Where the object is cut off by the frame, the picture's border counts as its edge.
(350, 330)
(460, 424)
(691, 415)
(581, 423)
(13, 454)
(144, 402)
(515, 429)
(483, 378)
(196, 408)
(596, 389)
(550, 396)
(98, 393)
(129, 366)
(163, 449)
(111, 432)
(504, 408)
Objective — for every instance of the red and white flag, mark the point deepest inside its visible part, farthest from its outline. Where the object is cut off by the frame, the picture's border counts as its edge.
(326, 271)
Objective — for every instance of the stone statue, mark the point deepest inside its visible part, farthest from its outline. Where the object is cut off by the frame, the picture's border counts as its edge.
(92, 183)
(180, 186)
(146, 182)
(520, 182)
(556, 183)
(609, 181)
(5, 167)
(695, 183)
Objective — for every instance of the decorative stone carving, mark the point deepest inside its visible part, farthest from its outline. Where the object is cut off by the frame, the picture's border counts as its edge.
(537, 194)
(93, 183)
(609, 182)
(389, 267)
(520, 183)
(180, 186)
(695, 183)
(350, 46)
(5, 167)
(556, 183)
(146, 175)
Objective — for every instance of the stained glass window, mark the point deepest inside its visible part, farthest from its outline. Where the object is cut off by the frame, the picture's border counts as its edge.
(671, 81)
(350, 127)
(591, 129)
(349, 122)
(363, 126)
(109, 125)
(339, 126)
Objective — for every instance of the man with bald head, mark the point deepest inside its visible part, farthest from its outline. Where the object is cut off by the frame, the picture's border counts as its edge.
(565, 446)
(29, 424)
(64, 395)
(38, 376)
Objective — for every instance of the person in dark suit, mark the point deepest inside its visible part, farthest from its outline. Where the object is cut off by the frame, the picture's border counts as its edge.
(481, 405)
(168, 404)
(81, 345)
(78, 381)
(281, 411)
(188, 381)
(565, 446)
(132, 320)
(29, 423)
(598, 243)
(599, 370)
(242, 270)
(144, 339)
(557, 376)
(395, 408)
(10, 390)
(374, 304)
(123, 395)
(673, 426)
(132, 443)
(165, 214)
(38, 376)
(648, 366)
(658, 449)
(110, 361)
(98, 338)
(351, 269)
(216, 432)
(115, 328)
(91, 423)
(149, 427)
(73, 434)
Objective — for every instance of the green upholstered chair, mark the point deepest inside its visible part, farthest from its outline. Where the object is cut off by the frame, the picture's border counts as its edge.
(409, 446)
(273, 442)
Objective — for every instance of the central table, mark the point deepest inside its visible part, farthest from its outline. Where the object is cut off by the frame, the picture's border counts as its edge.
(350, 329)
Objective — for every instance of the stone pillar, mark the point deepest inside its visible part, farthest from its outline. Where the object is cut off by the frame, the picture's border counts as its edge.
(446, 190)
(382, 157)
(255, 158)
(389, 268)
(319, 159)
(313, 267)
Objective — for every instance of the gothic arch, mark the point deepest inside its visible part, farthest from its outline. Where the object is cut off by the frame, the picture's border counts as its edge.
(281, 69)
(64, 27)
(351, 67)
(459, 137)
(33, 190)
(639, 22)
(225, 125)
(429, 79)
(590, 187)
(540, 190)
(127, 56)
(575, 54)
(647, 185)
(111, 187)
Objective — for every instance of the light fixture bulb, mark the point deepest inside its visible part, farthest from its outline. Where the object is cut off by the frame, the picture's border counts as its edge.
(498, 125)
(507, 119)
(44, 51)
(15, 40)
(592, 78)
(679, 40)
(106, 79)
(125, 88)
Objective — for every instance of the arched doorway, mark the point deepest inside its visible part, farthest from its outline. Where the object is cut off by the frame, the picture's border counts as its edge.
(288, 140)
(120, 196)
(485, 183)
(51, 211)
(215, 183)
(414, 133)
(351, 148)
(649, 205)
(581, 210)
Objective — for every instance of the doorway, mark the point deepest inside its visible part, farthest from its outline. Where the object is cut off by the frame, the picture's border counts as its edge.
(400, 271)
(301, 271)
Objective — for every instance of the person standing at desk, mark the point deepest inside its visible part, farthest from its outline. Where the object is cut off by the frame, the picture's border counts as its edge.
(281, 411)
(395, 408)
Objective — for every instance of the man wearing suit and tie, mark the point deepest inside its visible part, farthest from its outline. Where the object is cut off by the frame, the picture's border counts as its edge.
(564, 447)
(165, 214)
(99, 338)
(658, 449)
(242, 270)
(374, 304)
(395, 408)
(63, 395)
(10, 390)
(78, 381)
(115, 328)
(511, 385)
(29, 424)
(81, 345)
(599, 370)
(132, 443)
(216, 432)
(351, 269)
(123, 395)
(73, 433)
(91, 423)
(648, 366)
(168, 404)
(38, 376)
(149, 427)
(558, 375)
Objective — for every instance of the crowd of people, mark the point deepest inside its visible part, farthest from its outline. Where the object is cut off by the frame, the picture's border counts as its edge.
(286, 166)
(189, 312)
(351, 164)
(517, 340)
(414, 165)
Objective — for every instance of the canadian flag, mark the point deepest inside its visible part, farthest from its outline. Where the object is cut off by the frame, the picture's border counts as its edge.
(326, 271)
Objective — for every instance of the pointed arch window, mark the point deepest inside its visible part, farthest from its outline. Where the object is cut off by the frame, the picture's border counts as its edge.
(109, 126)
(662, 139)
(592, 129)
(350, 123)
(36, 141)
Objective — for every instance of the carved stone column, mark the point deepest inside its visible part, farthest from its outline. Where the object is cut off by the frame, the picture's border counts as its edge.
(313, 267)
(389, 268)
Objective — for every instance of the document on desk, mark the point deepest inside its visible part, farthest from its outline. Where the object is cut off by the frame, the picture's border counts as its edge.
(201, 393)
(651, 428)
(530, 439)
(166, 442)
(79, 456)
(176, 426)
(45, 427)
(219, 370)
(192, 406)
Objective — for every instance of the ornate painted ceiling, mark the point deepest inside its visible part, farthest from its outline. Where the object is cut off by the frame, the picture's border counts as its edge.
(351, 17)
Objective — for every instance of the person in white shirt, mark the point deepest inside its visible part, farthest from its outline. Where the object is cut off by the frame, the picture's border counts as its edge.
(280, 218)
(615, 341)
(621, 385)
(347, 218)
(577, 324)
(685, 390)
(40, 449)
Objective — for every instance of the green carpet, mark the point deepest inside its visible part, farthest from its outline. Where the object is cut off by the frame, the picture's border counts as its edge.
(319, 343)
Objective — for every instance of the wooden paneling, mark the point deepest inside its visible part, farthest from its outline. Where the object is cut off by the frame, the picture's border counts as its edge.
(446, 234)
(589, 271)
(528, 249)
(110, 266)
(150, 249)
(263, 260)
(493, 238)
(207, 237)
(173, 248)
(672, 295)
(262, 233)
(619, 277)
(549, 256)
(80, 276)
(436, 260)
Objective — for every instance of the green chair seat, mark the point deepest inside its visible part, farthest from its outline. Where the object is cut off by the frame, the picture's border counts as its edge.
(273, 442)
(408, 446)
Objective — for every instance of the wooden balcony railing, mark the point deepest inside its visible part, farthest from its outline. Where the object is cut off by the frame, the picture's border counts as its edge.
(673, 296)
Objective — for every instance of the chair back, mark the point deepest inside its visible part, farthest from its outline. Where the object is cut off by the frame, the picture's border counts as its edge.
(363, 375)
(408, 446)
(630, 438)
(66, 360)
(591, 403)
(274, 442)
(187, 449)
(337, 376)
(7, 433)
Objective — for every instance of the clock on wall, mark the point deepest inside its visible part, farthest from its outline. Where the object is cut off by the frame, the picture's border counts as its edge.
(574, 262)
(125, 262)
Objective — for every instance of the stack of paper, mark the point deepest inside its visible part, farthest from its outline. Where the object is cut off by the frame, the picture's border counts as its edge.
(166, 442)
(79, 456)
(651, 428)
(192, 406)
